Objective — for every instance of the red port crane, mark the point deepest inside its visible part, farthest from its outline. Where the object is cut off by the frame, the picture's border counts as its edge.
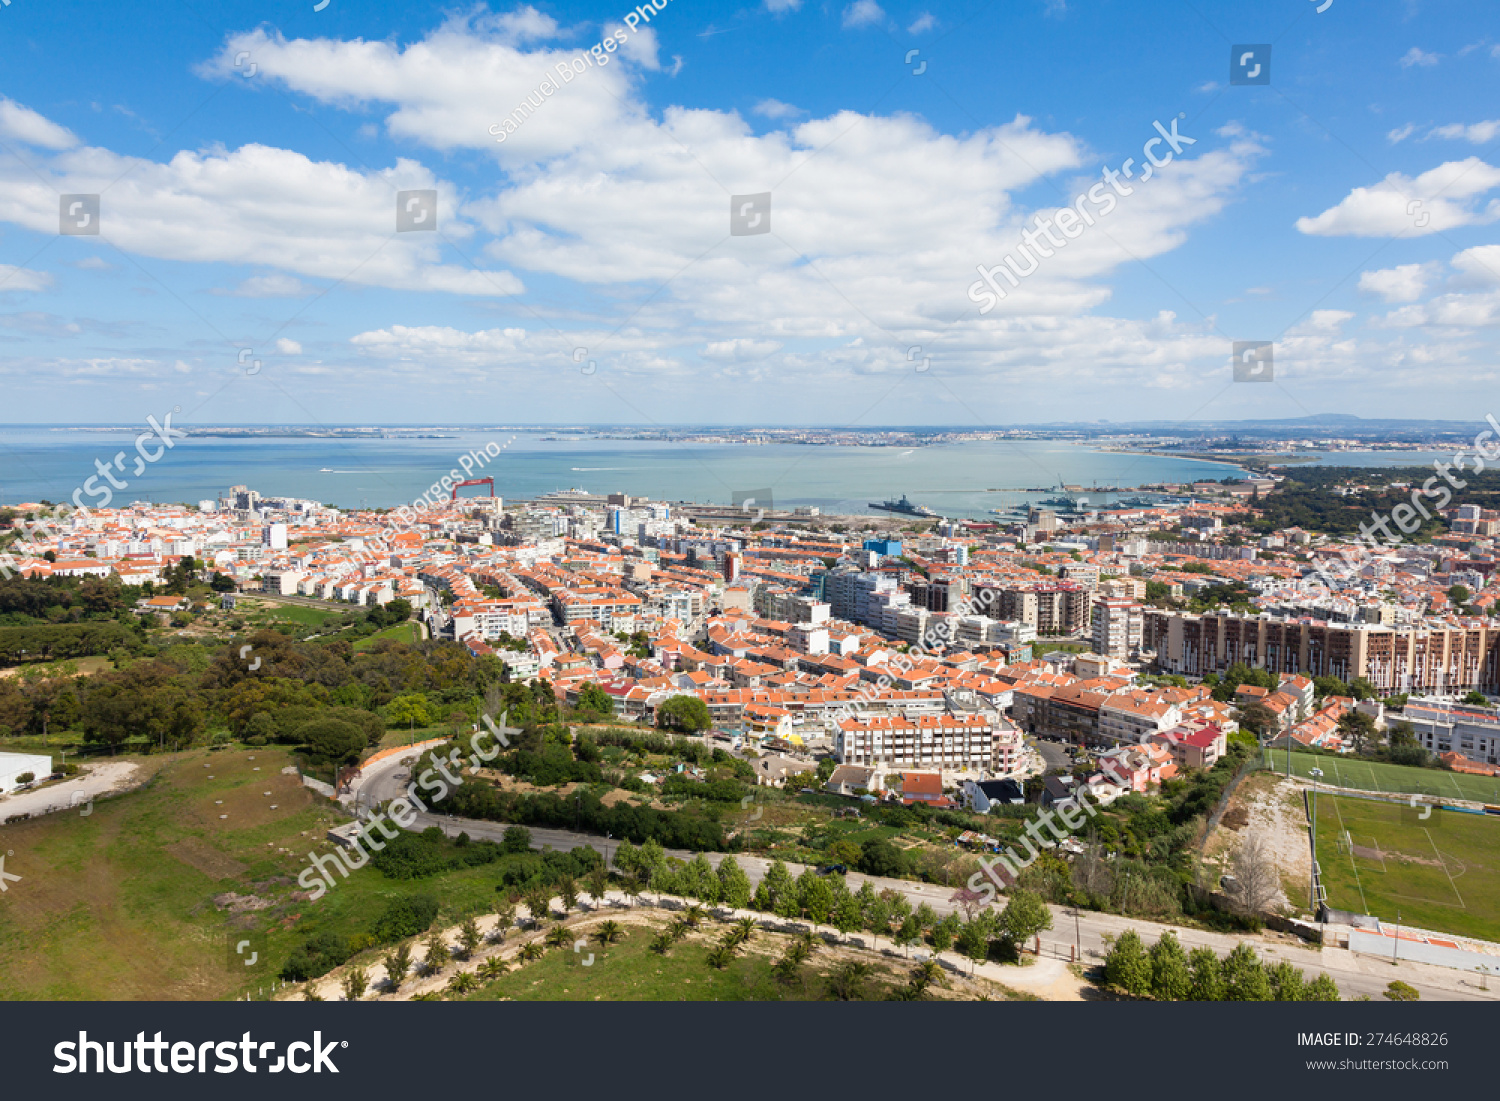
(473, 482)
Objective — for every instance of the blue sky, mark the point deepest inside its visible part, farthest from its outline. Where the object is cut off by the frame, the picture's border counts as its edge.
(249, 269)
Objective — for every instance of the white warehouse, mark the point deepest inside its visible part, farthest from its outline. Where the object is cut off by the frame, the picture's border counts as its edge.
(14, 765)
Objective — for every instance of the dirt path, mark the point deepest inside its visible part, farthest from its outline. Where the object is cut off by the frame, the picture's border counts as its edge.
(97, 781)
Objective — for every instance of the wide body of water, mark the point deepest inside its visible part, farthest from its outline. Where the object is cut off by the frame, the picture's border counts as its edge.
(953, 479)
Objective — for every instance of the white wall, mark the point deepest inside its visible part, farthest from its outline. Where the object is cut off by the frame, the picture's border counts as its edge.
(15, 764)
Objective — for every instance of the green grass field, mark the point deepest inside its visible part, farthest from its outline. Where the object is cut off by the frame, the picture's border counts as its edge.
(401, 632)
(1378, 776)
(138, 899)
(274, 611)
(1441, 873)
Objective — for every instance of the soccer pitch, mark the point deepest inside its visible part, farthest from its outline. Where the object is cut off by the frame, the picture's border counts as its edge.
(1440, 873)
(1362, 775)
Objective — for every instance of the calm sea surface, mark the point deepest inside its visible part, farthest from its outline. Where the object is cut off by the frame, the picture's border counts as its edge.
(953, 479)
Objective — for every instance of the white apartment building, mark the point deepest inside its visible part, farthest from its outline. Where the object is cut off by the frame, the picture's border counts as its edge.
(984, 743)
(1119, 625)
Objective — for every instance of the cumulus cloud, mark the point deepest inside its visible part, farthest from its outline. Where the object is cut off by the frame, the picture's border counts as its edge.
(1405, 283)
(863, 13)
(1439, 199)
(25, 125)
(288, 347)
(923, 22)
(270, 206)
(1401, 133)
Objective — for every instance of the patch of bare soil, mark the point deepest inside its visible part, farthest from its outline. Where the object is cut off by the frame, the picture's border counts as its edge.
(1270, 806)
(203, 857)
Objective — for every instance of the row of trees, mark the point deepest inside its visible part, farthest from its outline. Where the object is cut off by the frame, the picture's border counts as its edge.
(1167, 973)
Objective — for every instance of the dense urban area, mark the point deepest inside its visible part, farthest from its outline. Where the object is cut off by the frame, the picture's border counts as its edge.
(1229, 740)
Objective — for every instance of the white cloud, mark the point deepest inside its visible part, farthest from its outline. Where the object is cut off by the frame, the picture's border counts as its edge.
(25, 125)
(288, 347)
(639, 46)
(1405, 283)
(741, 349)
(924, 22)
(260, 205)
(1401, 206)
(1415, 56)
(775, 109)
(1401, 133)
(863, 13)
(1479, 265)
(1478, 133)
(270, 286)
(776, 7)
(14, 279)
(451, 86)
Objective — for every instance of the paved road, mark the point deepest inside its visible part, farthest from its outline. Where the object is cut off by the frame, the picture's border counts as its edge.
(1053, 753)
(1355, 974)
(97, 781)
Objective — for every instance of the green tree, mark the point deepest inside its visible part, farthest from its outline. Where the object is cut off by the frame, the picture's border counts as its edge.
(687, 713)
(469, 938)
(1259, 720)
(409, 710)
(1127, 966)
(1207, 975)
(1287, 982)
(1171, 981)
(700, 881)
(781, 889)
(596, 700)
(334, 739)
(815, 896)
(907, 934)
(1399, 991)
(1358, 727)
(355, 983)
(1459, 595)
(846, 914)
(944, 932)
(734, 884)
(1322, 989)
(398, 964)
(1025, 916)
(1245, 976)
(879, 857)
(437, 953)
